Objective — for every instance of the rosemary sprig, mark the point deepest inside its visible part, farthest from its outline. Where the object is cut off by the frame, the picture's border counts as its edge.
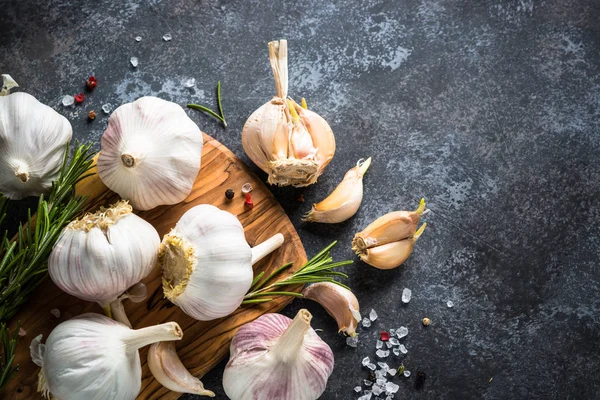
(221, 115)
(23, 261)
(317, 269)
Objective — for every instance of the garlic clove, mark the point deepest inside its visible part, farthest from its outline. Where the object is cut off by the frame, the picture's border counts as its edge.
(321, 134)
(339, 302)
(33, 139)
(150, 153)
(344, 201)
(391, 255)
(167, 369)
(391, 227)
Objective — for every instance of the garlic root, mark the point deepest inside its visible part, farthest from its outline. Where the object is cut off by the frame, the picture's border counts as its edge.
(167, 369)
(344, 201)
(339, 302)
(265, 248)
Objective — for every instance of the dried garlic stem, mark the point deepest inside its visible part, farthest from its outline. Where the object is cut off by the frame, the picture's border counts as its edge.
(287, 347)
(267, 247)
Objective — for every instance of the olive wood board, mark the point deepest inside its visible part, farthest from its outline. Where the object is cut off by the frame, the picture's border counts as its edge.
(204, 344)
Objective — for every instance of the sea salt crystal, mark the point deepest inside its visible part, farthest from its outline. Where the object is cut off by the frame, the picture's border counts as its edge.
(450, 303)
(381, 381)
(406, 295)
(22, 332)
(358, 389)
(392, 371)
(389, 344)
(365, 397)
(134, 61)
(384, 367)
(403, 349)
(407, 373)
(377, 390)
(396, 351)
(371, 366)
(352, 341)
(106, 108)
(382, 353)
(366, 361)
(391, 387)
(390, 397)
(401, 332)
(394, 342)
(189, 83)
(392, 332)
(379, 344)
(367, 382)
(68, 100)
(372, 315)
(366, 322)
(380, 374)
(138, 38)
(167, 37)
(55, 312)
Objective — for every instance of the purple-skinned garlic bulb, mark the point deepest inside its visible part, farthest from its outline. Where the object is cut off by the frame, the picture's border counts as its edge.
(275, 357)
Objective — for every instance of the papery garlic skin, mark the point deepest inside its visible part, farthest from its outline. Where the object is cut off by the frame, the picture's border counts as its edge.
(339, 302)
(207, 263)
(275, 357)
(7, 84)
(92, 357)
(344, 201)
(290, 143)
(167, 369)
(150, 153)
(100, 255)
(33, 141)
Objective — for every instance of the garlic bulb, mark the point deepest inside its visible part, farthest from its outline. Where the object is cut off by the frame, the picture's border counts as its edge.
(344, 201)
(290, 143)
(167, 369)
(33, 142)
(150, 153)
(339, 302)
(388, 241)
(275, 357)
(93, 357)
(100, 255)
(207, 263)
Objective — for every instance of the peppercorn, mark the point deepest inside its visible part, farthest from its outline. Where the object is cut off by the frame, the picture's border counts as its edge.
(248, 203)
(426, 321)
(401, 369)
(229, 193)
(91, 82)
(372, 377)
(92, 115)
(420, 381)
(300, 198)
(79, 98)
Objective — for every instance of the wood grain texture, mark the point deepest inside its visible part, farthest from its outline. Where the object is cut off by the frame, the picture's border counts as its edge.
(204, 343)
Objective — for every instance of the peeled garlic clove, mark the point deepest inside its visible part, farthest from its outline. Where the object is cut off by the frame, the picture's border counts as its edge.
(150, 153)
(391, 227)
(207, 263)
(33, 139)
(94, 357)
(288, 142)
(167, 369)
(99, 256)
(391, 255)
(275, 357)
(339, 302)
(344, 201)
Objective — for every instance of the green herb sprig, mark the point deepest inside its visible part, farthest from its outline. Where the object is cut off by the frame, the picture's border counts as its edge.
(221, 115)
(317, 269)
(23, 261)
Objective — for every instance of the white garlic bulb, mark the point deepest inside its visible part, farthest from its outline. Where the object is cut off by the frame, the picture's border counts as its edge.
(275, 357)
(290, 143)
(207, 263)
(92, 357)
(33, 142)
(100, 255)
(150, 153)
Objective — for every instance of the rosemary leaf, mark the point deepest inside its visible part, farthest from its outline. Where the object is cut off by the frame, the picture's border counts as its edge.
(219, 103)
(252, 301)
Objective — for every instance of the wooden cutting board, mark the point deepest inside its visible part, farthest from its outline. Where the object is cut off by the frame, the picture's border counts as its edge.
(204, 344)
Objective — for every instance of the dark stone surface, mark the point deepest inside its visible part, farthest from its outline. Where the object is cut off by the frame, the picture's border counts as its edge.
(488, 109)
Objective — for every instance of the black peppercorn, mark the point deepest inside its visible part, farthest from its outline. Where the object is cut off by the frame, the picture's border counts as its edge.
(420, 381)
(372, 377)
(229, 193)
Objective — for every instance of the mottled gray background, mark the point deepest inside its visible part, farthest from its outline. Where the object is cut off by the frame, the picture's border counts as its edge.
(488, 109)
